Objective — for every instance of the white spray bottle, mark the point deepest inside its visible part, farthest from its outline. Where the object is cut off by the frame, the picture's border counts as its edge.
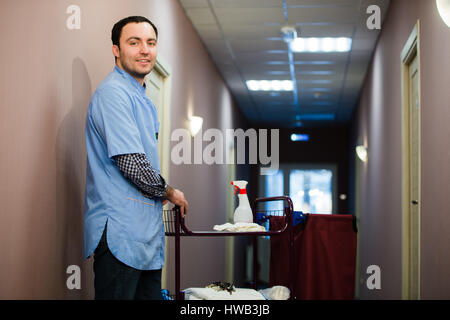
(243, 212)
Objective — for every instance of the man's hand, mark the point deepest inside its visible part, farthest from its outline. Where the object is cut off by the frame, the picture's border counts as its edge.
(177, 197)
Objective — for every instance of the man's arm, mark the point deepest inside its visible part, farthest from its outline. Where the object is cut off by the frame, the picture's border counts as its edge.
(137, 168)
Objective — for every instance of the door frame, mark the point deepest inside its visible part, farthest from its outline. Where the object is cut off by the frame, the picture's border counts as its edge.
(164, 69)
(359, 175)
(410, 247)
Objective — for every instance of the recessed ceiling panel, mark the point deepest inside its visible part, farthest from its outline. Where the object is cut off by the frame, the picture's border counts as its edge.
(335, 30)
(318, 3)
(249, 16)
(251, 31)
(200, 16)
(247, 3)
(258, 45)
(194, 3)
(347, 14)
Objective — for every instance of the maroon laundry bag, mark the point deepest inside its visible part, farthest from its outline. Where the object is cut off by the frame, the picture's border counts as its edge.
(325, 257)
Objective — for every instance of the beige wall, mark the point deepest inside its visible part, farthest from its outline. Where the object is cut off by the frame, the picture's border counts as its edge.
(378, 123)
(48, 76)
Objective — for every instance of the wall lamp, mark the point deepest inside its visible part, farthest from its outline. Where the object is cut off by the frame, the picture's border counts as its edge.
(444, 10)
(361, 151)
(195, 124)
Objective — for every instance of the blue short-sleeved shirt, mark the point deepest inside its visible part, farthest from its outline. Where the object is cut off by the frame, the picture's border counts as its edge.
(121, 119)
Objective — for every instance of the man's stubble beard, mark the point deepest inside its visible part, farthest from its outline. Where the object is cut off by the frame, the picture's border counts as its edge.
(132, 72)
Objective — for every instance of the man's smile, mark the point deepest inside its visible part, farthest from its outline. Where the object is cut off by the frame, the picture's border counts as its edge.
(144, 61)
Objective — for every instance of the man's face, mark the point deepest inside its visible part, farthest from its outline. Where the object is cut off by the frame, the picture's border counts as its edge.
(137, 52)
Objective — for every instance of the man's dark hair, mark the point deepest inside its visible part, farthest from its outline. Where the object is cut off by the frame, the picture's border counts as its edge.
(117, 29)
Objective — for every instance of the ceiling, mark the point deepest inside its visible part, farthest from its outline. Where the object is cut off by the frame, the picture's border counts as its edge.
(244, 40)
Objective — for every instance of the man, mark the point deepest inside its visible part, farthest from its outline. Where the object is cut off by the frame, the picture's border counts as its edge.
(125, 192)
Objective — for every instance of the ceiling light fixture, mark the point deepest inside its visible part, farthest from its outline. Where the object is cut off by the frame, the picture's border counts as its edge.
(270, 85)
(444, 10)
(314, 62)
(321, 45)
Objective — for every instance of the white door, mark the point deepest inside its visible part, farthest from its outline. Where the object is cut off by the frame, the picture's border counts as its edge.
(155, 91)
(158, 84)
(410, 58)
(414, 178)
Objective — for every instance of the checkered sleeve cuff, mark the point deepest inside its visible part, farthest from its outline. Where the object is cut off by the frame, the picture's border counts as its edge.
(137, 168)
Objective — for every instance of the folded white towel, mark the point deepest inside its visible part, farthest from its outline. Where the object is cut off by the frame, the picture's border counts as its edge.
(276, 293)
(240, 226)
(211, 294)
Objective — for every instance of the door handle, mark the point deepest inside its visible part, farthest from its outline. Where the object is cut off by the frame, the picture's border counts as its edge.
(415, 202)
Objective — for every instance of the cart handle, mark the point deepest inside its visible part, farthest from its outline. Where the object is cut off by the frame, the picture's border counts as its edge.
(288, 199)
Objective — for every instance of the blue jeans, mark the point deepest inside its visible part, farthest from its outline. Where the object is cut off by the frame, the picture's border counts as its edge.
(114, 280)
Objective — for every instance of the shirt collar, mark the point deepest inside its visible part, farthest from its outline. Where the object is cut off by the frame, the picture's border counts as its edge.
(132, 80)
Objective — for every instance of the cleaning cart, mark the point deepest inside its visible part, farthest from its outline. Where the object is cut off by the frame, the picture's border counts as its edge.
(175, 226)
